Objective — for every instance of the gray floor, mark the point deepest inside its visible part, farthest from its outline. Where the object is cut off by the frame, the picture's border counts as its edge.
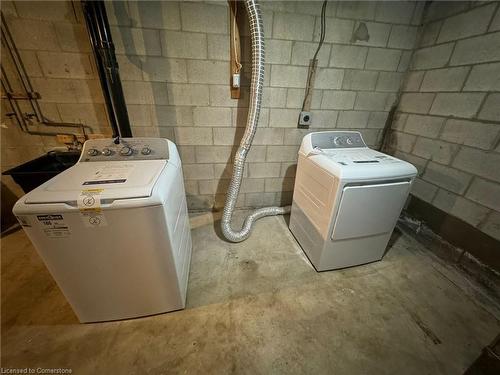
(258, 307)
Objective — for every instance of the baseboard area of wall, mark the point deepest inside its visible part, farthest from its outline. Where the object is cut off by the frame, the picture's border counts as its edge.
(455, 242)
(457, 232)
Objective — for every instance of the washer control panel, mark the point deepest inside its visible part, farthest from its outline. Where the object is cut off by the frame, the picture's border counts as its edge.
(337, 139)
(125, 149)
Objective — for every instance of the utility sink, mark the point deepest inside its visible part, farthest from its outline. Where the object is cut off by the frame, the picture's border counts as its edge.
(35, 172)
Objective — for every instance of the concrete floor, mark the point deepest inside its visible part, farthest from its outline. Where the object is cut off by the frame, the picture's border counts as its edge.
(258, 307)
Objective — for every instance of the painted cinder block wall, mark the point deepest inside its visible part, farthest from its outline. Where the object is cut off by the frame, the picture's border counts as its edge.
(174, 64)
(174, 61)
(52, 40)
(448, 120)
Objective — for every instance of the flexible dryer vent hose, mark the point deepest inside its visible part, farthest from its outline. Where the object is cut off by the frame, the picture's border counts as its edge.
(257, 40)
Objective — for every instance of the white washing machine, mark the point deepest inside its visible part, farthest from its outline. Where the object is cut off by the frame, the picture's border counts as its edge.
(347, 199)
(113, 230)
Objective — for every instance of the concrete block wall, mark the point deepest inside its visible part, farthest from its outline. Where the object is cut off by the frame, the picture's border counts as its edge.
(174, 63)
(53, 43)
(448, 120)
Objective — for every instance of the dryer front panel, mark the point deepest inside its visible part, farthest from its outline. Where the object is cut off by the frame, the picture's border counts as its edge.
(369, 209)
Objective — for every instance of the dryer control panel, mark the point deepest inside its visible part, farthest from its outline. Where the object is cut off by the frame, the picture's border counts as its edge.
(124, 149)
(337, 139)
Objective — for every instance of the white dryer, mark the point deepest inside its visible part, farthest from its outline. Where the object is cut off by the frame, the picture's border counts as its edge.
(347, 199)
(113, 230)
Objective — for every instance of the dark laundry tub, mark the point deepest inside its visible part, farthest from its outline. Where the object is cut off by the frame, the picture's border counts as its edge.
(35, 172)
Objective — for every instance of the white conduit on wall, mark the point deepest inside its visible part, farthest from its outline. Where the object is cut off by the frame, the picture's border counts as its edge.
(257, 40)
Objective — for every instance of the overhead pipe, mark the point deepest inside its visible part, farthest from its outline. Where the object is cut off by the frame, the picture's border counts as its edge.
(256, 86)
(31, 96)
(17, 113)
(19, 66)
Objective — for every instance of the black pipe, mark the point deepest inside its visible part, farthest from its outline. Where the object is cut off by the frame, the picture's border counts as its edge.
(107, 66)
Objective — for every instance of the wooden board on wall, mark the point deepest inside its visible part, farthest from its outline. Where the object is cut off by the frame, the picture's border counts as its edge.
(235, 49)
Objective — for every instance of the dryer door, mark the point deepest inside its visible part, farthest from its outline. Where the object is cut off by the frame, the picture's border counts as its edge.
(369, 209)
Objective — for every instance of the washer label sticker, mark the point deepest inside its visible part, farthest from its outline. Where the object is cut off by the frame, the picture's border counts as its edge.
(89, 204)
(92, 219)
(54, 226)
(110, 174)
(90, 200)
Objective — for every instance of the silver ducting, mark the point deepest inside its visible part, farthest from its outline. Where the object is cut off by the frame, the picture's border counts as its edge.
(257, 40)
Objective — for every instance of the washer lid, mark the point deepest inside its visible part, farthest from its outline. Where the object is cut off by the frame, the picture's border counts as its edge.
(116, 179)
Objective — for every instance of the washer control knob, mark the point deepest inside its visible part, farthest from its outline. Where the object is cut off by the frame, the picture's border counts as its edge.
(93, 152)
(146, 151)
(337, 141)
(107, 152)
(126, 151)
(349, 141)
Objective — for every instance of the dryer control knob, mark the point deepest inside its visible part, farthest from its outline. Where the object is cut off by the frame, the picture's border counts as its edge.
(93, 152)
(337, 141)
(349, 141)
(126, 151)
(107, 152)
(146, 151)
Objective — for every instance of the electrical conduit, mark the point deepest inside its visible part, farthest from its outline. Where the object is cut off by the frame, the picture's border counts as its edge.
(257, 40)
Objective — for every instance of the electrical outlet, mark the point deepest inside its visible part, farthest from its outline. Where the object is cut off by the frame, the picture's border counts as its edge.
(305, 119)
